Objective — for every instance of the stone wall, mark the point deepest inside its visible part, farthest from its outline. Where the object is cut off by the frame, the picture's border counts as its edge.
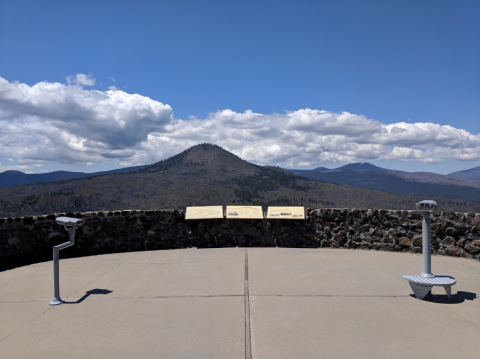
(30, 239)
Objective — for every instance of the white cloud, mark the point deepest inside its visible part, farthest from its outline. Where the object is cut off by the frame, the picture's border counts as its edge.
(68, 124)
(112, 88)
(81, 79)
(316, 137)
(65, 123)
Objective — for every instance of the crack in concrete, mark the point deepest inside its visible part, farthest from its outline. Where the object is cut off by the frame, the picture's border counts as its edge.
(23, 326)
(246, 297)
(248, 337)
(101, 275)
(333, 295)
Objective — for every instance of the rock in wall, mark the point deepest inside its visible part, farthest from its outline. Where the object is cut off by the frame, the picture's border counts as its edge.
(30, 239)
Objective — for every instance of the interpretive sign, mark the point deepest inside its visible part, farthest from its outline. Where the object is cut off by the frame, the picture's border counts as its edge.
(286, 213)
(205, 212)
(245, 212)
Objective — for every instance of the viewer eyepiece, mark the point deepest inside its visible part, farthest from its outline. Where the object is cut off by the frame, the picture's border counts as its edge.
(70, 222)
(428, 206)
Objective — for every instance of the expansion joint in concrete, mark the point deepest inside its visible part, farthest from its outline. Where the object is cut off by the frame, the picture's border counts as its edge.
(248, 339)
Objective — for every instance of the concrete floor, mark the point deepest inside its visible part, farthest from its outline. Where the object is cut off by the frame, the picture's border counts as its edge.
(239, 303)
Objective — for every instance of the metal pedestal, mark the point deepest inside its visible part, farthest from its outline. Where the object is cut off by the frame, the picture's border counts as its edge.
(421, 286)
(56, 271)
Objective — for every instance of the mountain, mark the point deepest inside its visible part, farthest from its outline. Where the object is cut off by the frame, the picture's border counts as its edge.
(366, 175)
(320, 169)
(358, 166)
(471, 174)
(361, 166)
(202, 175)
(14, 178)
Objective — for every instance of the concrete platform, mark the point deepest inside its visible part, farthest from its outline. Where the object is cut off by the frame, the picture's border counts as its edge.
(239, 303)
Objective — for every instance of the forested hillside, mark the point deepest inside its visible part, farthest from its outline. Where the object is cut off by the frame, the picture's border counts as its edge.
(202, 175)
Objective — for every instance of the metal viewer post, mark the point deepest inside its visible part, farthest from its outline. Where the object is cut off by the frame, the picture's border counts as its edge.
(426, 244)
(426, 207)
(70, 225)
(422, 284)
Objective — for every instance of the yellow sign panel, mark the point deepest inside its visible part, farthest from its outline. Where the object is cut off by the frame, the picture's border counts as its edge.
(286, 213)
(206, 212)
(245, 212)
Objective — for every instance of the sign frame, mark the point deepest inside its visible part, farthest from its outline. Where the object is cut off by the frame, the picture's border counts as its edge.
(240, 209)
(283, 212)
(202, 212)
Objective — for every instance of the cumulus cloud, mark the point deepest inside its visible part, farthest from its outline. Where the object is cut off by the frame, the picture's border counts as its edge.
(70, 124)
(319, 137)
(81, 79)
(66, 123)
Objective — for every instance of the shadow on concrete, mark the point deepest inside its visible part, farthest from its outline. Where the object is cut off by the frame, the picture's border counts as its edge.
(458, 298)
(13, 265)
(90, 292)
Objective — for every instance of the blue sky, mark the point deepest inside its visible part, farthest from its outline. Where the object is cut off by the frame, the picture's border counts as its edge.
(390, 62)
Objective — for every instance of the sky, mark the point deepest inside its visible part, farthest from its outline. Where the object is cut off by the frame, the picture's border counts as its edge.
(96, 85)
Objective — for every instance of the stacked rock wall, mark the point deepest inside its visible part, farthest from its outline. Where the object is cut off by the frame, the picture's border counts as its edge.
(30, 239)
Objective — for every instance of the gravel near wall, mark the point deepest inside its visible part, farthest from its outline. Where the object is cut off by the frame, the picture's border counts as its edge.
(30, 239)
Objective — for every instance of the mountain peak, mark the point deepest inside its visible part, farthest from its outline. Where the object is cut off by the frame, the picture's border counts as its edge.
(205, 154)
(361, 166)
(321, 169)
(471, 174)
(14, 172)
